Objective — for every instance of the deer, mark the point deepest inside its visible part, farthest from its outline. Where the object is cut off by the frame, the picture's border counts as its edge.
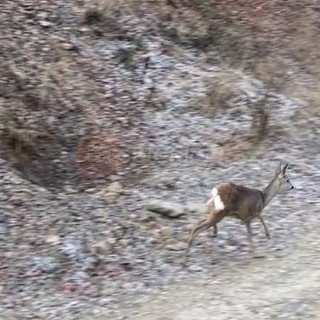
(240, 202)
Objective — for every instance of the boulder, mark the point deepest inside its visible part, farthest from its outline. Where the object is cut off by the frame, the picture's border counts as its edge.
(178, 246)
(166, 209)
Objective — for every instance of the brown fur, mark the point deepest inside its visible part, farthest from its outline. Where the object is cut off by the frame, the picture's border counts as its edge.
(242, 203)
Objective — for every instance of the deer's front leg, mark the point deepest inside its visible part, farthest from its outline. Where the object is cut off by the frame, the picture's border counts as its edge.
(249, 234)
(265, 227)
(252, 247)
(215, 231)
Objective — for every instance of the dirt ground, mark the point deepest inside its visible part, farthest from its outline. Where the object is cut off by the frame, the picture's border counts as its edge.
(275, 288)
(107, 106)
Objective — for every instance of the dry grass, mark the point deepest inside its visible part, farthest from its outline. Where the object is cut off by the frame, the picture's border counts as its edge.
(22, 141)
(298, 51)
(219, 93)
(312, 98)
(260, 122)
(103, 15)
(30, 151)
(18, 138)
(19, 78)
(263, 39)
(308, 116)
(105, 12)
(271, 71)
(305, 43)
(295, 69)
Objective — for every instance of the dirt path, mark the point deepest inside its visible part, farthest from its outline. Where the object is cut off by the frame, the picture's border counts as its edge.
(283, 288)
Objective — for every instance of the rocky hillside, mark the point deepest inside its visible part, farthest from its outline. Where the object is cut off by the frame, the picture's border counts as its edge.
(116, 120)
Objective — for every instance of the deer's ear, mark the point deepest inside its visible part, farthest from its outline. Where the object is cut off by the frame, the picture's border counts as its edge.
(285, 168)
(278, 170)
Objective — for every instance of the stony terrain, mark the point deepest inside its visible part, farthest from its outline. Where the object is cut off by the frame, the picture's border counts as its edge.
(109, 109)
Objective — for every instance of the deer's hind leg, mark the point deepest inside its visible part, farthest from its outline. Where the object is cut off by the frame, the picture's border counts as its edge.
(213, 218)
(215, 228)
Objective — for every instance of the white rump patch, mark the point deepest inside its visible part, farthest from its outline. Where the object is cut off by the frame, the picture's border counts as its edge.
(214, 192)
(218, 204)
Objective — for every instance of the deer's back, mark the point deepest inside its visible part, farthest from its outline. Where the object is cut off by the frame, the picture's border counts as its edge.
(239, 201)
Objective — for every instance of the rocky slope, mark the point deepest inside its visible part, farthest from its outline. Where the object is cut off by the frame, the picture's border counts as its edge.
(108, 106)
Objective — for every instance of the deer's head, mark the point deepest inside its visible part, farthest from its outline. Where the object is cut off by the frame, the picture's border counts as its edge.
(281, 180)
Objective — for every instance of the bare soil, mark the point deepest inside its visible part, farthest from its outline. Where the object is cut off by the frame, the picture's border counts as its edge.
(107, 105)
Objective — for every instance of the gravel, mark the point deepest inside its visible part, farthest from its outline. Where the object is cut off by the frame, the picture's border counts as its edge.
(74, 247)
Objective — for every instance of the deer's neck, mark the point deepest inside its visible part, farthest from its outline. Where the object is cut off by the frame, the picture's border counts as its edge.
(269, 192)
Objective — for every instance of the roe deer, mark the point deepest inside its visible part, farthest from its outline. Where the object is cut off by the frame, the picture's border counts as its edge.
(245, 204)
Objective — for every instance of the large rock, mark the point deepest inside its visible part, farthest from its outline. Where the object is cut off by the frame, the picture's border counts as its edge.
(177, 246)
(164, 208)
(200, 208)
(45, 264)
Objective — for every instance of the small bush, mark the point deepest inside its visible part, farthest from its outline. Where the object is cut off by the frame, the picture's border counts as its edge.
(304, 44)
(271, 71)
(260, 121)
(106, 12)
(219, 93)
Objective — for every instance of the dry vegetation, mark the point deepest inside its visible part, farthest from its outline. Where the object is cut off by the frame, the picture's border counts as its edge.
(249, 35)
(221, 92)
(277, 42)
(80, 78)
(225, 32)
(218, 95)
(103, 15)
